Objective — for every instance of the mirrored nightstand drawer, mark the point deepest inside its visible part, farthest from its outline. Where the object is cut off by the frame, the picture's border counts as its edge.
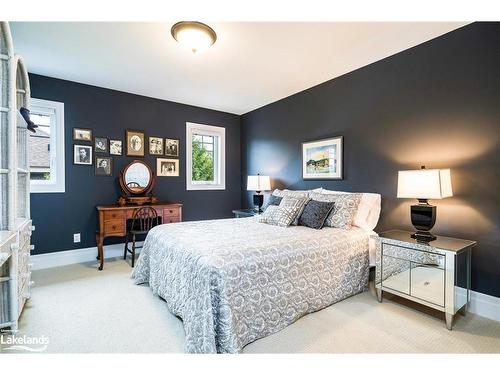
(427, 283)
(396, 274)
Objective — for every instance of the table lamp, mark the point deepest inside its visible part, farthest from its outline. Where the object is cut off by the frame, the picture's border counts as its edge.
(424, 184)
(258, 183)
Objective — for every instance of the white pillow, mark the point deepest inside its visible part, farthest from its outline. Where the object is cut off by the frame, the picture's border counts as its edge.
(368, 210)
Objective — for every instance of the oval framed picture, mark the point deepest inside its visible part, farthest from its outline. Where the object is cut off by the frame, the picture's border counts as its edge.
(135, 142)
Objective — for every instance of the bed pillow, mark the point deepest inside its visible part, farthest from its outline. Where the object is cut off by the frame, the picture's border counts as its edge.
(284, 214)
(315, 214)
(274, 200)
(368, 212)
(292, 193)
(343, 211)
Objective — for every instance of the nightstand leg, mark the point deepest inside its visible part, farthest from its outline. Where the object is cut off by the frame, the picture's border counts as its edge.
(449, 321)
(464, 309)
(379, 294)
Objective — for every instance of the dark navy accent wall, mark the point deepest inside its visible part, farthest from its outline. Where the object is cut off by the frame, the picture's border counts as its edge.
(437, 104)
(58, 215)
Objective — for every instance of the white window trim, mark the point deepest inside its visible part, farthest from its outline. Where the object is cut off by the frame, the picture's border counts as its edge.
(57, 158)
(220, 171)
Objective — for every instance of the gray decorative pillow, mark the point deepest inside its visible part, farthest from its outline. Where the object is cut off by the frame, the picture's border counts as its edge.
(274, 200)
(284, 214)
(315, 214)
(344, 209)
(292, 193)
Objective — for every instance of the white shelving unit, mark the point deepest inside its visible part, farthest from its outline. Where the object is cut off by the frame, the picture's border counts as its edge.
(15, 221)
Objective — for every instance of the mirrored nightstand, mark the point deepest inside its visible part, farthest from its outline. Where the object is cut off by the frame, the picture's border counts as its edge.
(435, 274)
(245, 212)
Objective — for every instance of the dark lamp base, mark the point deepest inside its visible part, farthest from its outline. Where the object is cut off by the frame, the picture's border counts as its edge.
(423, 236)
(423, 218)
(258, 201)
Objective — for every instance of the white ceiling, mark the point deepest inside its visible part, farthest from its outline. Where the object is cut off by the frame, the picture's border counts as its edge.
(250, 65)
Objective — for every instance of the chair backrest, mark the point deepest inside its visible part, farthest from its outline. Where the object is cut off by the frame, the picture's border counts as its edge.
(145, 218)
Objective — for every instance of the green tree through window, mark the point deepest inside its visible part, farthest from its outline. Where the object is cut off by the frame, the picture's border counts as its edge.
(203, 162)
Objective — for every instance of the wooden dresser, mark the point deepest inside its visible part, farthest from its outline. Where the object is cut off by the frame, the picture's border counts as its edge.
(113, 220)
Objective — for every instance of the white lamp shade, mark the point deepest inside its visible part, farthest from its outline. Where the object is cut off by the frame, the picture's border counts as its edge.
(425, 184)
(258, 183)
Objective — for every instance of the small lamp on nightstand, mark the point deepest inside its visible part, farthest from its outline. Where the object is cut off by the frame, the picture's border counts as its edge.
(258, 183)
(424, 184)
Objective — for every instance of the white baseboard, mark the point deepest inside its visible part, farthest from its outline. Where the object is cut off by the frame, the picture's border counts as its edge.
(485, 305)
(64, 258)
(480, 304)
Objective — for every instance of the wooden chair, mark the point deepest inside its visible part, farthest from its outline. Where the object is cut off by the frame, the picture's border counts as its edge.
(143, 220)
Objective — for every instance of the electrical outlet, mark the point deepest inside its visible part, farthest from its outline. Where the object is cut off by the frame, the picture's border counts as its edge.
(76, 237)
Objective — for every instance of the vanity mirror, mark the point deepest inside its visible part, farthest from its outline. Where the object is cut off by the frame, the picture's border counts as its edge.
(137, 181)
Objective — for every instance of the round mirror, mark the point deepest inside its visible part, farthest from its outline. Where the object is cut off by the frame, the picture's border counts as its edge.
(137, 177)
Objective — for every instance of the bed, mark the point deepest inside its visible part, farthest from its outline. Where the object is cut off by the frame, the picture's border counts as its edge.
(233, 281)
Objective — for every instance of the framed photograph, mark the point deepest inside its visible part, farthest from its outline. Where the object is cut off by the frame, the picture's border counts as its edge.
(82, 155)
(103, 166)
(323, 159)
(155, 146)
(171, 147)
(135, 142)
(167, 167)
(101, 145)
(115, 147)
(81, 134)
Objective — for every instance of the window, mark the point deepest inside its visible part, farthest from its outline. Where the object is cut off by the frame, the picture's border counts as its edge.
(205, 157)
(46, 147)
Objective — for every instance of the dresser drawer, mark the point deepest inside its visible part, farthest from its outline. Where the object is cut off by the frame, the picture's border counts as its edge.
(114, 226)
(114, 214)
(171, 212)
(171, 219)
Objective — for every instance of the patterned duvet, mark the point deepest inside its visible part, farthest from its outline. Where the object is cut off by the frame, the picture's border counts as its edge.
(234, 281)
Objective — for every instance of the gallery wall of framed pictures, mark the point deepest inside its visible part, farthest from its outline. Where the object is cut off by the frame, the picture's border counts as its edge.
(91, 149)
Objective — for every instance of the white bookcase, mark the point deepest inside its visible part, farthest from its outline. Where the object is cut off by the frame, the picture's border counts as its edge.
(15, 222)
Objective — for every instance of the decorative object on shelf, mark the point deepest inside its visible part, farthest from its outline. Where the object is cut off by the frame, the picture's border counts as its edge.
(323, 159)
(167, 167)
(424, 184)
(82, 155)
(137, 181)
(135, 142)
(435, 274)
(258, 183)
(25, 112)
(194, 35)
(81, 134)
(171, 147)
(115, 147)
(101, 145)
(155, 146)
(103, 166)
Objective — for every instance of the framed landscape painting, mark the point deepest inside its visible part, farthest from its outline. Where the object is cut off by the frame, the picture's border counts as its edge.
(323, 159)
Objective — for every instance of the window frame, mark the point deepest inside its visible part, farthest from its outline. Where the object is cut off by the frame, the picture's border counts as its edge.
(56, 184)
(219, 150)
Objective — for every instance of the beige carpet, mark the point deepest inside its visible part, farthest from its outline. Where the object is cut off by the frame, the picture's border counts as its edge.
(82, 310)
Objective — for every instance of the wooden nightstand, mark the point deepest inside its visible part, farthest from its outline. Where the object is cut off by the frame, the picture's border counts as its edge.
(245, 212)
(434, 274)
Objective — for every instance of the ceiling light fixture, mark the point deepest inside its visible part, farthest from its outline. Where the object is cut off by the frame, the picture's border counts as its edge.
(194, 35)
